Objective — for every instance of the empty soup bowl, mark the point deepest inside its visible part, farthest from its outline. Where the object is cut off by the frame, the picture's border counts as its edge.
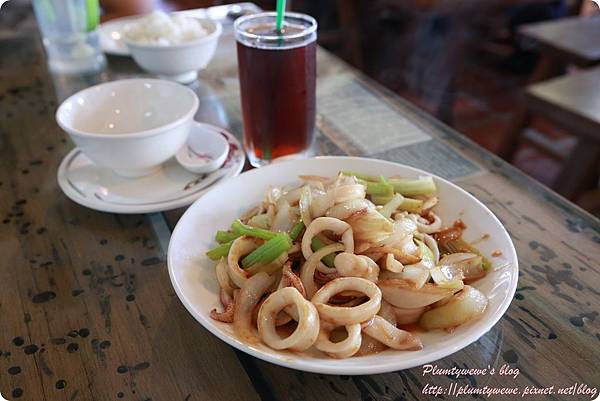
(131, 126)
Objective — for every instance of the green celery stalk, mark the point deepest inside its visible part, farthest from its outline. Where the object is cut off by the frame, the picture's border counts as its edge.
(296, 230)
(317, 244)
(380, 200)
(240, 229)
(391, 206)
(381, 188)
(419, 186)
(219, 251)
(225, 236)
(269, 251)
(460, 245)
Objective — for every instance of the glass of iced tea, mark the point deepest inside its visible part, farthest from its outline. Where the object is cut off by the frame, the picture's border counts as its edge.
(277, 82)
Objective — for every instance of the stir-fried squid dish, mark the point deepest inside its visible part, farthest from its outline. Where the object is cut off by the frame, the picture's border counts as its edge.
(350, 265)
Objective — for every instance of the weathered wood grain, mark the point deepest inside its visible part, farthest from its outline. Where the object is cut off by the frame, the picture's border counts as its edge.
(87, 311)
(550, 332)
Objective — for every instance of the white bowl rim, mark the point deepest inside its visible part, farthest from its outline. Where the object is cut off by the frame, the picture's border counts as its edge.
(213, 35)
(357, 369)
(134, 134)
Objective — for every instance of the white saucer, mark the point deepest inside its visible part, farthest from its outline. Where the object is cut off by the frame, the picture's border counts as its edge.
(169, 188)
(205, 150)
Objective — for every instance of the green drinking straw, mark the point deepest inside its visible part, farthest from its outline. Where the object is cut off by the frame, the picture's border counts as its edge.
(280, 15)
(92, 9)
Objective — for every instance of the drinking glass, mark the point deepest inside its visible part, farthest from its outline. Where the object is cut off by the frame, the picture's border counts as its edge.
(277, 83)
(69, 34)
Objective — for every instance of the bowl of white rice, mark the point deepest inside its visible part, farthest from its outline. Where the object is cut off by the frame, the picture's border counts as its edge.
(172, 46)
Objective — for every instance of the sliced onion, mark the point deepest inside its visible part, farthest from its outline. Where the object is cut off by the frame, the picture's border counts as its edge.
(468, 304)
(391, 264)
(249, 296)
(343, 179)
(404, 294)
(400, 255)
(402, 232)
(444, 279)
(273, 194)
(344, 193)
(304, 205)
(408, 316)
(321, 201)
(292, 197)
(467, 266)
(283, 220)
(370, 228)
(263, 220)
(348, 208)
(433, 246)
(415, 274)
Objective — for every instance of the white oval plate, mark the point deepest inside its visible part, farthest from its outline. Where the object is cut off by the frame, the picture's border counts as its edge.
(169, 188)
(193, 277)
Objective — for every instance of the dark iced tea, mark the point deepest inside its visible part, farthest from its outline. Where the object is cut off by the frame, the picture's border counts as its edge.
(277, 82)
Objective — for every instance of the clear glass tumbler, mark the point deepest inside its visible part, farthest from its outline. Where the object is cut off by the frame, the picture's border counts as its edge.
(69, 34)
(277, 81)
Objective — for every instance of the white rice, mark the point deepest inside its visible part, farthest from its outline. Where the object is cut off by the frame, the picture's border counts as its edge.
(162, 29)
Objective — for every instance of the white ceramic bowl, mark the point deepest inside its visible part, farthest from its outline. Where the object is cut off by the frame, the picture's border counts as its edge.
(131, 125)
(179, 62)
(193, 275)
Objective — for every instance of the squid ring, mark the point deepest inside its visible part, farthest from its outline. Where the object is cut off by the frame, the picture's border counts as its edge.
(344, 315)
(383, 331)
(343, 349)
(307, 271)
(430, 228)
(240, 247)
(223, 277)
(245, 302)
(351, 265)
(334, 225)
(308, 320)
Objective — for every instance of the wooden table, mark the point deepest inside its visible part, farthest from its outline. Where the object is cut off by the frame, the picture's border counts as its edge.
(563, 42)
(87, 311)
(570, 40)
(573, 102)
